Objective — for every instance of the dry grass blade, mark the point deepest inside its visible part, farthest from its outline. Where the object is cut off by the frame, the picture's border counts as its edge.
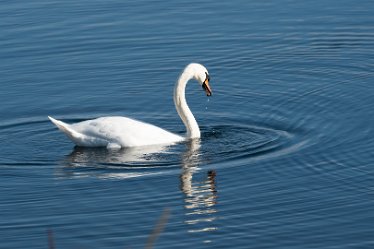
(51, 242)
(158, 229)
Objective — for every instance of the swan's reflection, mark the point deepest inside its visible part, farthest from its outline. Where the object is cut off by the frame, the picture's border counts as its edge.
(200, 196)
(124, 163)
(102, 155)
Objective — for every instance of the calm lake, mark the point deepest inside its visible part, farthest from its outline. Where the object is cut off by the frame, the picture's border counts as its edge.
(286, 157)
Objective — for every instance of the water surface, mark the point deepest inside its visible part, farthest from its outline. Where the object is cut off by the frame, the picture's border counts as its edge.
(285, 159)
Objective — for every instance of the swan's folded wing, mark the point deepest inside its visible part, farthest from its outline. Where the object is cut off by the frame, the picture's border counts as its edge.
(125, 131)
(117, 132)
(77, 137)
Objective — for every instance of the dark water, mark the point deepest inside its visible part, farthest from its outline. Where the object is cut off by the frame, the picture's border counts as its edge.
(286, 157)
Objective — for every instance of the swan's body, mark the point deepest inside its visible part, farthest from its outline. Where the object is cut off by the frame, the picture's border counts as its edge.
(117, 132)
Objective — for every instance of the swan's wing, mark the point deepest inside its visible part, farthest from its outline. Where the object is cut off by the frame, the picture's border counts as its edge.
(126, 132)
(65, 128)
(77, 137)
(116, 132)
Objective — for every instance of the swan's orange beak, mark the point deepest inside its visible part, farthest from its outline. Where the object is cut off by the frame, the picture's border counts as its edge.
(206, 87)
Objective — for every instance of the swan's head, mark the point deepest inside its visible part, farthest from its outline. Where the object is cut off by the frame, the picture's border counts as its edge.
(200, 73)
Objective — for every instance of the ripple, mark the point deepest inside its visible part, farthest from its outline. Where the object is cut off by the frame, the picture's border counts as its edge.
(219, 143)
(238, 142)
(25, 142)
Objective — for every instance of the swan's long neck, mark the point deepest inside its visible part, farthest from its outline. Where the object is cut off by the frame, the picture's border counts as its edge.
(183, 110)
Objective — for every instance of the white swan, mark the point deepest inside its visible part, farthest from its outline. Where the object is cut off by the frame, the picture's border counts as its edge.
(117, 132)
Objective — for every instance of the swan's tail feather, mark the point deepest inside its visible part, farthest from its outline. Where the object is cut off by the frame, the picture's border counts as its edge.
(65, 128)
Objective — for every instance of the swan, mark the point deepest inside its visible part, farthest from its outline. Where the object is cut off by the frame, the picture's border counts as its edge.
(122, 132)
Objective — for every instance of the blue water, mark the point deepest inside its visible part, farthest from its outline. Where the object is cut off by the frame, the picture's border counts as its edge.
(286, 155)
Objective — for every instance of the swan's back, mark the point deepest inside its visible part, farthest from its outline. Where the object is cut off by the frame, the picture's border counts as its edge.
(116, 132)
